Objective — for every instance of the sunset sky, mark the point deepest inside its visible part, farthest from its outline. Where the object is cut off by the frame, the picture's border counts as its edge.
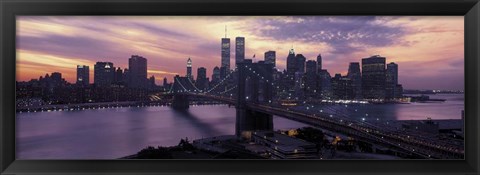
(428, 50)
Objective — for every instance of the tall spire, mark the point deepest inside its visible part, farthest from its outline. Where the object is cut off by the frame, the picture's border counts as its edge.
(189, 62)
(225, 31)
(291, 51)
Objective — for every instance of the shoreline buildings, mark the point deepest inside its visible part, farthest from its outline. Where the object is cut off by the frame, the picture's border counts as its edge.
(373, 77)
(104, 74)
(137, 72)
(83, 75)
(302, 79)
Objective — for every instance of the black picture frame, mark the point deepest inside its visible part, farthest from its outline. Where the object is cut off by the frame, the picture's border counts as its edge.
(12, 8)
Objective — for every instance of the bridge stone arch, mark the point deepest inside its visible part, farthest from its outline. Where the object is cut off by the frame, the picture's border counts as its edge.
(260, 90)
(180, 90)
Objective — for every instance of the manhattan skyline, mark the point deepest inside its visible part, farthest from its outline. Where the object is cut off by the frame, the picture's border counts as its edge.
(429, 50)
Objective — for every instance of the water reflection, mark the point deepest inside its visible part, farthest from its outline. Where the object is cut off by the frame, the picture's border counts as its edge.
(114, 133)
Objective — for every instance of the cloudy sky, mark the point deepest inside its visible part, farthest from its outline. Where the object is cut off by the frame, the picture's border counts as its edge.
(428, 50)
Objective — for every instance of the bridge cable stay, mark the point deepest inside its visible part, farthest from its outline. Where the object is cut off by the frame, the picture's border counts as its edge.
(234, 87)
(259, 76)
(223, 80)
(171, 89)
(228, 90)
(334, 112)
(189, 80)
(337, 112)
(355, 119)
(182, 85)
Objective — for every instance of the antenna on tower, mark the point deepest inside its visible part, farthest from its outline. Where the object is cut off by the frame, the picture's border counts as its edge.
(225, 31)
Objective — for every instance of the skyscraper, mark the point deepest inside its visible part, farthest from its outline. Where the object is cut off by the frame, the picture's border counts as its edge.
(202, 81)
(299, 86)
(137, 66)
(56, 79)
(166, 85)
(151, 82)
(325, 82)
(311, 67)
(165, 82)
(391, 80)
(300, 59)
(319, 63)
(398, 91)
(223, 72)
(341, 87)
(356, 77)
(216, 75)
(201, 73)
(226, 53)
(373, 77)
(270, 57)
(291, 62)
(126, 76)
(83, 75)
(311, 78)
(189, 68)
(239, 49)
(118, 75)
(103, 74)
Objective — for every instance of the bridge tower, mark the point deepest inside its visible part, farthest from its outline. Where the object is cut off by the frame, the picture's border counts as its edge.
(180, 97)
(260, 76)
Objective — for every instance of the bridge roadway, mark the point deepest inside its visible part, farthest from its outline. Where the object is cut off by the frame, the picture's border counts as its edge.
(415, 145)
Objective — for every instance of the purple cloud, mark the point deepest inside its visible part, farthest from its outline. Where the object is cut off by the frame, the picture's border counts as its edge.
(344, 34)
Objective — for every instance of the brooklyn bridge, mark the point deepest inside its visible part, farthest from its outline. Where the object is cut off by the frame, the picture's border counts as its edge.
(250, 87)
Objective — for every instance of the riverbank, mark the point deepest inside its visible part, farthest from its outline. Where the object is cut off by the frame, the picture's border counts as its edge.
(92, 134)
(104, 105)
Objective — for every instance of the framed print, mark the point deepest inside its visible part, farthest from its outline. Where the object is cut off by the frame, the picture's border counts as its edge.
(239, 87)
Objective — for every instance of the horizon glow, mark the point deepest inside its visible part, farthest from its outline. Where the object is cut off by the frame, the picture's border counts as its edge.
(429, 50)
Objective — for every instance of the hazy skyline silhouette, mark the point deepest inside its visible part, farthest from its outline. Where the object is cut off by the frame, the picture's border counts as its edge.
(428, 50)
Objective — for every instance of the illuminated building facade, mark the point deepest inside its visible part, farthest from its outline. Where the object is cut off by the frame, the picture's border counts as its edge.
(391, 80)
(355, 76)
(373, 77)
(189, 68)
(239, 49)
(270, 57)
(137, 66)
(104, 74)
(225, 62)
(83, 75)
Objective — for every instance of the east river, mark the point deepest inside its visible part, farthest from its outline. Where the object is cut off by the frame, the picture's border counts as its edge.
(114, 133)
